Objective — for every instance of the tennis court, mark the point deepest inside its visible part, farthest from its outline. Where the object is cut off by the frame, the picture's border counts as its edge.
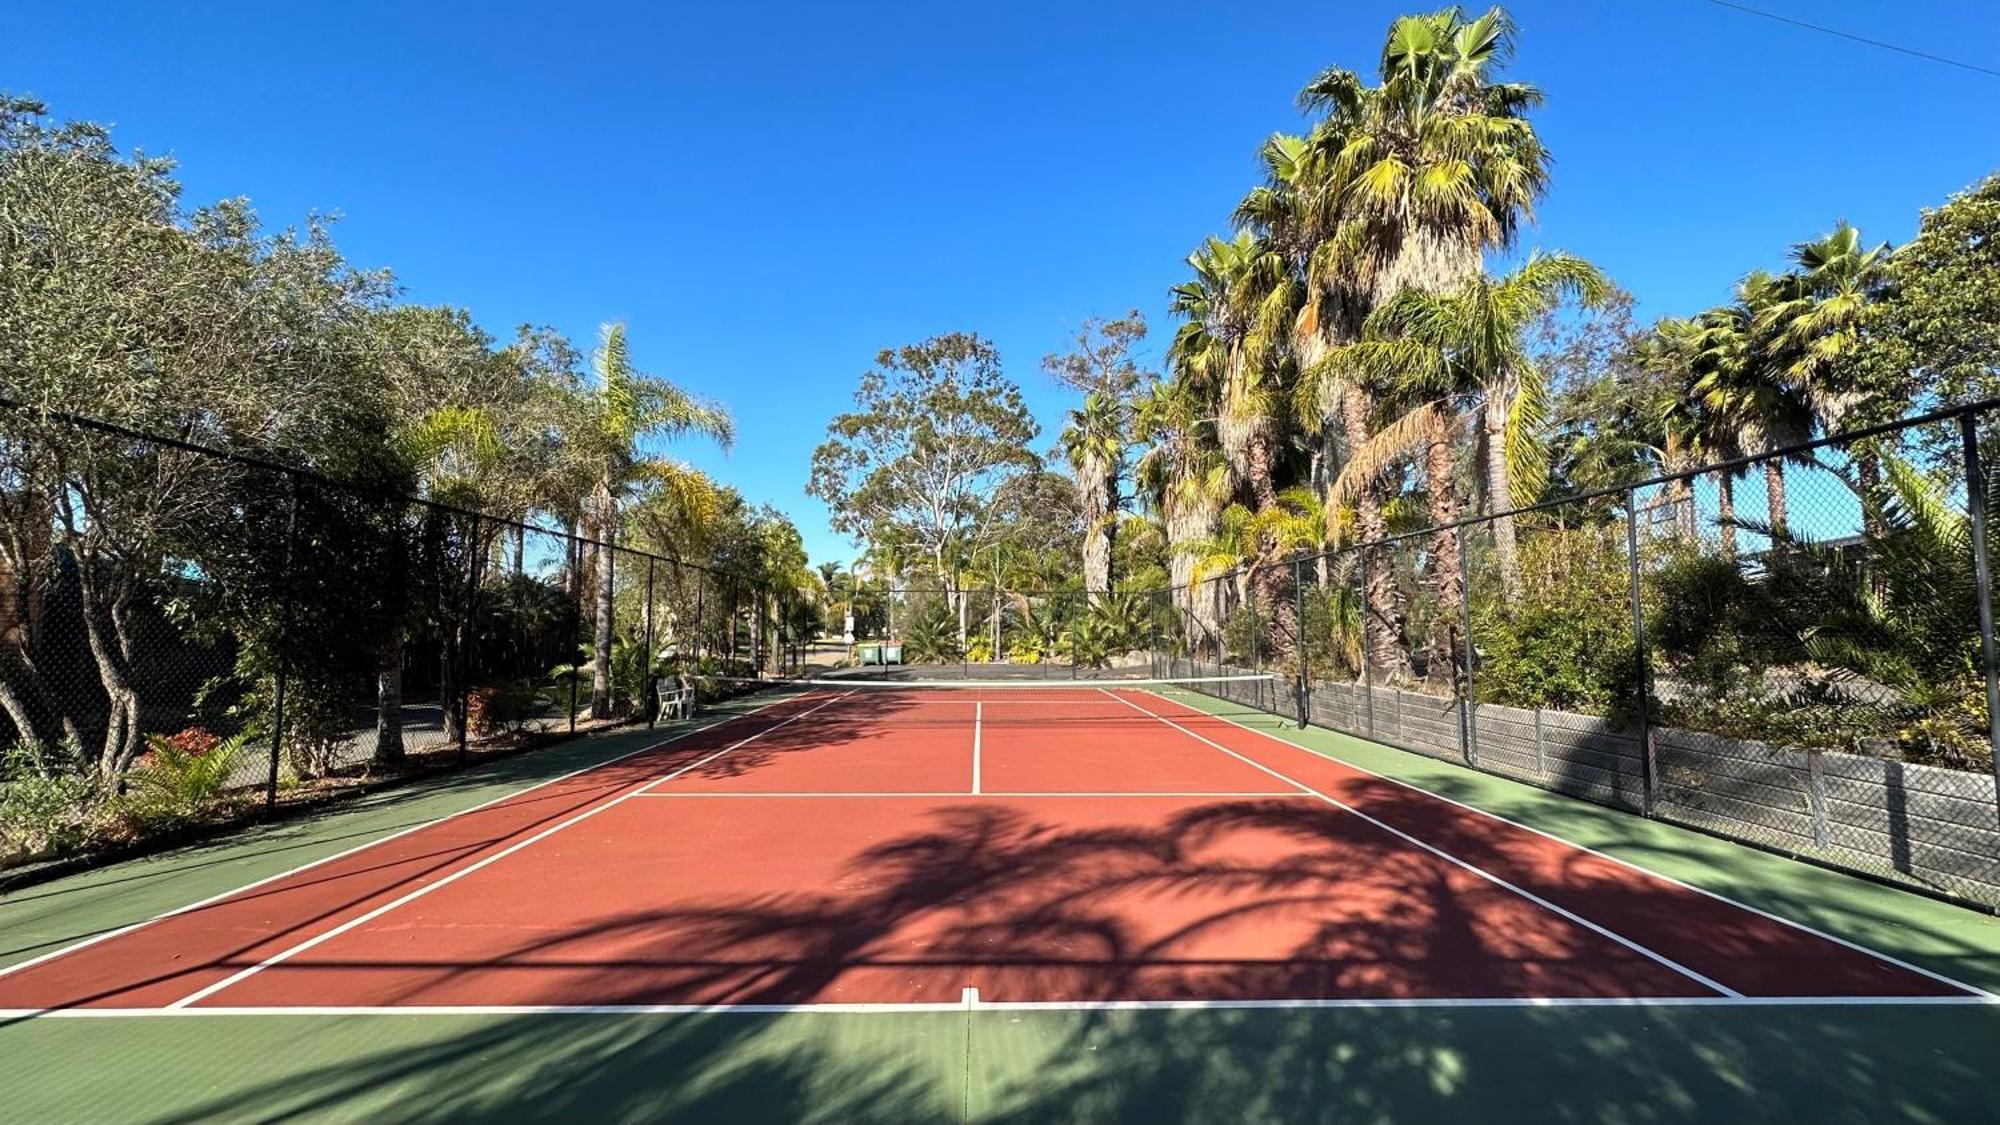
(883, 847)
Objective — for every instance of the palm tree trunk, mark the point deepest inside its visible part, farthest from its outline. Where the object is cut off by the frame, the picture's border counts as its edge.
(1776, 506)
(389, 701)
(1500, 497)
(1441, 498)
(1383, 613)
(1725, 512)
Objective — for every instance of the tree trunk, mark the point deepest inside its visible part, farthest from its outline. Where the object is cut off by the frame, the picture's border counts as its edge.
(1441, 498)
(1095, 487)
(389, 701)
(1680, 499)
(1383, 613)
(1500, 497)
(1774, 497)
(109, 649)
(600, 662)
(1725, 512)
(521, 550)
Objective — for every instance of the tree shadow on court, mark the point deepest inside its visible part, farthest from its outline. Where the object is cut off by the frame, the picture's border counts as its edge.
(1226, 900)
(692, 1067)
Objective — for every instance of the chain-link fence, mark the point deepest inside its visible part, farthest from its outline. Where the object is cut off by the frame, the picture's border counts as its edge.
(185, 631)
(1794, 649)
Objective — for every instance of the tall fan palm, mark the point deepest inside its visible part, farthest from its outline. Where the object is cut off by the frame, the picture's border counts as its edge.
(1186, 479)
(1740, 381)
(611, 419)
(1466, 345)
(1238, 311)
(1296, 211)
(1094, 438)
(1818, 327)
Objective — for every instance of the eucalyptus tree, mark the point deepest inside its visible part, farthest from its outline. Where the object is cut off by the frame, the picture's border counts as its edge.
(117, 303)
(937, 437)
(609, 420)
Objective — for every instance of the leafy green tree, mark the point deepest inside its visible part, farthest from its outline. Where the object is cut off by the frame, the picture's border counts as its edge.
(937, 438)
(1941, 320)
(114, 302)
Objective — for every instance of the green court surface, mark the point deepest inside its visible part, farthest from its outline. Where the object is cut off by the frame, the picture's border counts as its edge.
(1638, 1063)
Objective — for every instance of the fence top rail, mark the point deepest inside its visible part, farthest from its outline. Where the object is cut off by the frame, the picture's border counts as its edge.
(1846, 437)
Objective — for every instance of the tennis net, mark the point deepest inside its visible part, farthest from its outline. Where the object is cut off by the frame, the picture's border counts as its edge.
(900, 698)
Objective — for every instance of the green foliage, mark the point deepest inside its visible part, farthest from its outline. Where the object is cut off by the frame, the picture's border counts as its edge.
(50, 800)
(504, 707)
(1567, 641)
(931, 637)
(182, 774)
(936, 433)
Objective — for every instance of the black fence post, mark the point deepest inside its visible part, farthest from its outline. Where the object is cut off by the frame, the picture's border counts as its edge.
(576, 622)
(1641, 662)
(284, 641)
(1299, 639)
(1975, 502)
(646, 675)
(467, 609)
(1367, 656)
(1469, 698)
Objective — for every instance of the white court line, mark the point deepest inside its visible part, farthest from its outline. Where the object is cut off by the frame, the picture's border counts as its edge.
(931, 795)
(978, 722)
(1802, 927)
(455, 876)
(964, 1002)
(345, 852)
(1538, 900)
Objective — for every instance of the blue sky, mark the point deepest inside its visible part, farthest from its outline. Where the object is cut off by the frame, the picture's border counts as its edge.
(769, 194)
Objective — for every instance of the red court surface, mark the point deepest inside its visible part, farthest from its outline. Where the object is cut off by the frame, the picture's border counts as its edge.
(1069, 846)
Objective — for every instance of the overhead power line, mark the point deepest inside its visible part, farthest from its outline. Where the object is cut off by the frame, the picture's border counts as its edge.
(1913, 53)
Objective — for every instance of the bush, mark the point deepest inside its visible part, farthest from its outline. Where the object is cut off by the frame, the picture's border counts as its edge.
(1567, 641)
(502, 708)
(50, 800)
(932, 634)
(181, 775)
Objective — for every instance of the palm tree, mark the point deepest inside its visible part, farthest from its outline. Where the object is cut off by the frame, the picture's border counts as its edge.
(1818, 326)
(1466, 344)
(1094, 439)
(1186, 479)
(610, 420)
(1238, 311)
(1427, 171)
(1740, 381)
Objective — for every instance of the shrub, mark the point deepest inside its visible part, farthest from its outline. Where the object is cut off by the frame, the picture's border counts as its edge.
(50, 800)
(181, 775)
(502, 708)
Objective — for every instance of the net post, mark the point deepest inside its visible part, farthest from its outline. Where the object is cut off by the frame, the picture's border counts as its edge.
(1299, 639)
(1469, 697)
(284, 631)
(1975, 503)
(1642, 663)
(646, 693)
